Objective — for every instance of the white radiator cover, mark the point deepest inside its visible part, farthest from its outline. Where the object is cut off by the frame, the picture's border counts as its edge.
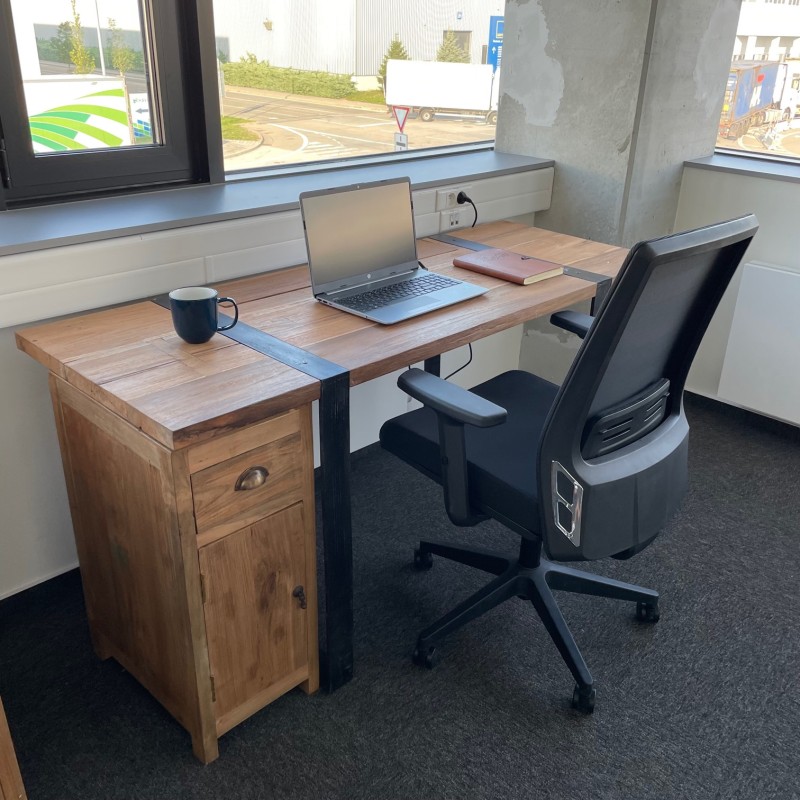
(761, 368)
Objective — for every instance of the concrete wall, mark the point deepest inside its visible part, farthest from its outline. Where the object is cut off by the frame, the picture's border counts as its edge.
(620, 93)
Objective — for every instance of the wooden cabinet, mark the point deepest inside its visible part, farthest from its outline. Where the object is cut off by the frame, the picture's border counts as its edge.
(198, 563)
(11, 787)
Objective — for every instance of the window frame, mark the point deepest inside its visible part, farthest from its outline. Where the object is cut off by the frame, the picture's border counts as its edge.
(192, 150)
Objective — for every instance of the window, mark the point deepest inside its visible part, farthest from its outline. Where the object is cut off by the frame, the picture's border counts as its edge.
(96, 97)
(462, 39)
(103, 96)
(761, 106)
(306, 81)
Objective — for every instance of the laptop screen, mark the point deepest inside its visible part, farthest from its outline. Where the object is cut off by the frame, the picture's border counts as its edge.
(357, 230)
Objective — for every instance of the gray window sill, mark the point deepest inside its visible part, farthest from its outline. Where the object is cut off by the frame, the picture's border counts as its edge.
(755, 167)
(43, 227)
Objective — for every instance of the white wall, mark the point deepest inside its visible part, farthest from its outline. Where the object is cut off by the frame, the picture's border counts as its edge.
(750, 355)
(728, 366)
(35, 528)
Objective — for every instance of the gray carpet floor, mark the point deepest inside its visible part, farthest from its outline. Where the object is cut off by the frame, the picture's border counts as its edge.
(704, 704)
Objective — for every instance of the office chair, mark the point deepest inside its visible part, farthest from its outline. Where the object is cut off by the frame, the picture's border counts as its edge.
(592, 469)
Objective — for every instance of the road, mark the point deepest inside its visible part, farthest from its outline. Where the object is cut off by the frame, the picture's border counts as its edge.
(783, 141)
(296, 129)
(302, 129)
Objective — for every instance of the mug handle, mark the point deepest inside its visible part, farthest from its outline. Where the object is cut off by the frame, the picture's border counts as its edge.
(235, 312)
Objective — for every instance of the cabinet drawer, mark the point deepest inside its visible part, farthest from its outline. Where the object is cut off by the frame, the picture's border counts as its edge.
(273, 479)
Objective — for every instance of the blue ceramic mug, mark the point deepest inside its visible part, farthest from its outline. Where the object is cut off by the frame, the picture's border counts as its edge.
(194, 313)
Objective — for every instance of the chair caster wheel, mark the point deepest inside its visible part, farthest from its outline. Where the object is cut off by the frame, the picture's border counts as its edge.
(647, 612)
(425, 657)
(422, 560)
(583, 699)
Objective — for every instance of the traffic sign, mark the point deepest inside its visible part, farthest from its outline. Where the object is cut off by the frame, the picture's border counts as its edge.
(401, 115)
(400, 141)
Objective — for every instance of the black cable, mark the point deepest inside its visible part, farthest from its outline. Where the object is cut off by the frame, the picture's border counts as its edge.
(469, 361)
(462, 198)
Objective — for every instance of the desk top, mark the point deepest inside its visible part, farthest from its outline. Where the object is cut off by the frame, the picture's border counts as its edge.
(131, 361)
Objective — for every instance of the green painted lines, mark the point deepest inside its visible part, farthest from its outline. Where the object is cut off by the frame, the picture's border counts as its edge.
(87, 123)
(48, 122)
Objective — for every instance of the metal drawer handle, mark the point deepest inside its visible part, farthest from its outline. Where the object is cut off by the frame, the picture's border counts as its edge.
(251, 478)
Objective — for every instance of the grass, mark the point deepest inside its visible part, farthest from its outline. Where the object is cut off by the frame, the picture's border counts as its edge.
(236, 128)
(372, 96)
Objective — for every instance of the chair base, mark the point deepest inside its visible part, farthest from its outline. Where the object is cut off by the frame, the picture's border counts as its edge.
(531, 577)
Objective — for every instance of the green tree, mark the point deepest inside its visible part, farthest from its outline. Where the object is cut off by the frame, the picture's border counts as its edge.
(451, 50)
(123, 59)
(122, 56)
(397, 51)
(62, 42)
(79, 55)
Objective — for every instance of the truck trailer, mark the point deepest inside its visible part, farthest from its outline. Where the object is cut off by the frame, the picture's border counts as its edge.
(757, 92)
(443, 88)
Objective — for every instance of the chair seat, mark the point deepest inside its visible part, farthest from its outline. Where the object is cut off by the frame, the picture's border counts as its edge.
(501, 460)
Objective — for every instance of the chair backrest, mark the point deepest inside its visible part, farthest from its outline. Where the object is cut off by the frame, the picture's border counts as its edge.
(613, 453)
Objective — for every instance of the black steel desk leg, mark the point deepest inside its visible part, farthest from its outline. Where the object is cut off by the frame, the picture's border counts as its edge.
(434, 365)
(334, 436)
(601, 292)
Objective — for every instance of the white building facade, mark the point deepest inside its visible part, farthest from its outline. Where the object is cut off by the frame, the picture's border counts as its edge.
(349, 37)
(769, 30)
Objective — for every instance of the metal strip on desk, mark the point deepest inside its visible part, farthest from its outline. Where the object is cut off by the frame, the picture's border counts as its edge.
(467, 244)
(271, 346)
(334, 439)
(603, 284)
(603, 281)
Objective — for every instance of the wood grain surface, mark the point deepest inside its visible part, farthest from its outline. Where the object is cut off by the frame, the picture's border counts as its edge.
(130, 360)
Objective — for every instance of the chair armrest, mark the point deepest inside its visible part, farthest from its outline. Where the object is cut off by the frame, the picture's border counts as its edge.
(454, 407)
(451, 400)
(572, 321)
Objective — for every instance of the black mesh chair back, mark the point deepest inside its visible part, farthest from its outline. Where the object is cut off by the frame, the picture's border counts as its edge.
(613, 452)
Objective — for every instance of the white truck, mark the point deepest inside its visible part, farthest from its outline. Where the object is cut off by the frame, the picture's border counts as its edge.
(443, 88)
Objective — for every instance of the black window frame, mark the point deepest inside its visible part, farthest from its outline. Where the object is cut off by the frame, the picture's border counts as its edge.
(182, 37)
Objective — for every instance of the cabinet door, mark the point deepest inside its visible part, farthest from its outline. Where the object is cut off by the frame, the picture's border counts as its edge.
(255, 621)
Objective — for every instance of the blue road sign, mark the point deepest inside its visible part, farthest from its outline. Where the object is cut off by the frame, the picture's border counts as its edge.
(495, 50)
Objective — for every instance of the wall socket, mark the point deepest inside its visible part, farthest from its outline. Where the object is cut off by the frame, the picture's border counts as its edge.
(446, 198)
(455, 218)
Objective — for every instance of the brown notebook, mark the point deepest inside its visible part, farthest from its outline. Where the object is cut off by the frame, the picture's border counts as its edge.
(509, 266)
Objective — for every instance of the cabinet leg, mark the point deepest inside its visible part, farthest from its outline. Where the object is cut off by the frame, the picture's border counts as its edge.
(100, 645)
(311, 686)
(206, 749)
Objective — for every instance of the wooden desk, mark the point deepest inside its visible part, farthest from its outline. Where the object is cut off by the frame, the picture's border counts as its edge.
(205, 594)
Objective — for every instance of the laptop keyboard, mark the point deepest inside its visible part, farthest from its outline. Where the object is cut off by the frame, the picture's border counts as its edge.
(377, 298)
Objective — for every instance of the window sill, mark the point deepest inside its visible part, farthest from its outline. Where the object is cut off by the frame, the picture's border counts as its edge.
(78, 222)
(749, 165)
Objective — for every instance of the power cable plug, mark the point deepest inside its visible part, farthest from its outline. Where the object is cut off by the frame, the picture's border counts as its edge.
(463, 197)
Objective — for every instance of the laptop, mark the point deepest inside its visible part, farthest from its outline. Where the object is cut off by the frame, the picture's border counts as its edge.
(362, 253)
